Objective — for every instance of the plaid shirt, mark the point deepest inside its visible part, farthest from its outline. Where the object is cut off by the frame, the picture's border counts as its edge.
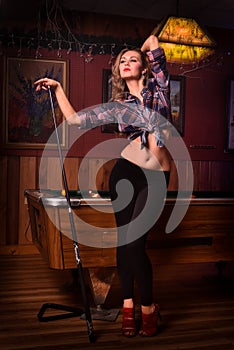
(133, 117)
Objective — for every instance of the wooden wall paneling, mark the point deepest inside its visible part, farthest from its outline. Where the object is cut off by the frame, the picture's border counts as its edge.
(229, 172)
(205, 183)
(107, 167)
(38, 160)
(213, 176)
(12, 214)
(96, 173)
(41, 172)
(173, 183)
(196, 175)
(54, 174)
(189, 168)
(202, 175)
(222, 175)
(91, 173)
(3, 198)
(216, 175)
(71, 166)
(99, 173)
(83, 173)
(48, 173)
(27, 181)
(183, 174)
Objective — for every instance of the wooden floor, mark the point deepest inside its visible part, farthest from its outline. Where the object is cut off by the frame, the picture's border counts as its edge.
(197, 309)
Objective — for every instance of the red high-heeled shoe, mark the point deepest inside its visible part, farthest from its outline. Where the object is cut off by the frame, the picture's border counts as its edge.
(149, 325)
(128, 322)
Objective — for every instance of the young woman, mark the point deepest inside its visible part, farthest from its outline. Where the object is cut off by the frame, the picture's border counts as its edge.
(141, 106)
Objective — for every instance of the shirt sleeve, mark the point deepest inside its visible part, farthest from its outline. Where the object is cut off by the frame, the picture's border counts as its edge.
(96, 115)
(113, 112)
(157, 60)
(159, 84)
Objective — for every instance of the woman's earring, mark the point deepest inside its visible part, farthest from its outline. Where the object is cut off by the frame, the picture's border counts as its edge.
(143, 75)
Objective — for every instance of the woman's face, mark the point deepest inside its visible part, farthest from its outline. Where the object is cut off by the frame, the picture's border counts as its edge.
(130, 66)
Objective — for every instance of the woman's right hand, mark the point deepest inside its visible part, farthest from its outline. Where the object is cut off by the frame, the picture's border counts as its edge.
(46, 83)
(64, 104)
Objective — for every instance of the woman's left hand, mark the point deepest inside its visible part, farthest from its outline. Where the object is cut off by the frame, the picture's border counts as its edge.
(150, 44)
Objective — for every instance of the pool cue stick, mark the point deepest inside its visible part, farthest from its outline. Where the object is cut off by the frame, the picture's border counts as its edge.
(89, 322)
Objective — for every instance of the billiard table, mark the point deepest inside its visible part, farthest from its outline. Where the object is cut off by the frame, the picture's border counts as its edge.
(206, 233)
(94, 225)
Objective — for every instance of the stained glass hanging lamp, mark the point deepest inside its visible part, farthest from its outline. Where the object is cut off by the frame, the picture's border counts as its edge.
(183, 40)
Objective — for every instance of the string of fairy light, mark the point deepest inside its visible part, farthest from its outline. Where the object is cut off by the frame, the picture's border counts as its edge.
(55, 34)
(86, 46)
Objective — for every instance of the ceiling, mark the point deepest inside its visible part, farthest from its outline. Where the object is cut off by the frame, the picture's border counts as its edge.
(219, 13)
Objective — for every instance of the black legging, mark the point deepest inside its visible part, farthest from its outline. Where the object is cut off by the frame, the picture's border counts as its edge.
(148, 191)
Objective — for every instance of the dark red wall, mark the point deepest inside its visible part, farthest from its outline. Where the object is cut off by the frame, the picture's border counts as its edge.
(205, 95)
(205, 99)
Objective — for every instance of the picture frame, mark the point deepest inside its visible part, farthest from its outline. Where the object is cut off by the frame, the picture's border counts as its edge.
(106, 95)
(28, 114)
(177, 98)
(229, 137)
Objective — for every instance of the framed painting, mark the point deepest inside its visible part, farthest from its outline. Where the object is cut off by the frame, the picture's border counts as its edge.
(28, 115)
(177, 98)
(229, 146)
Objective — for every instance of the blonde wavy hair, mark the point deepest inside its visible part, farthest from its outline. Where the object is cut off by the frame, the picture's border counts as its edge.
(119, 86)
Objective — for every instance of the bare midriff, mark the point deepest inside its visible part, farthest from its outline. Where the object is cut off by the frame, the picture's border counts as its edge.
(150, 157)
